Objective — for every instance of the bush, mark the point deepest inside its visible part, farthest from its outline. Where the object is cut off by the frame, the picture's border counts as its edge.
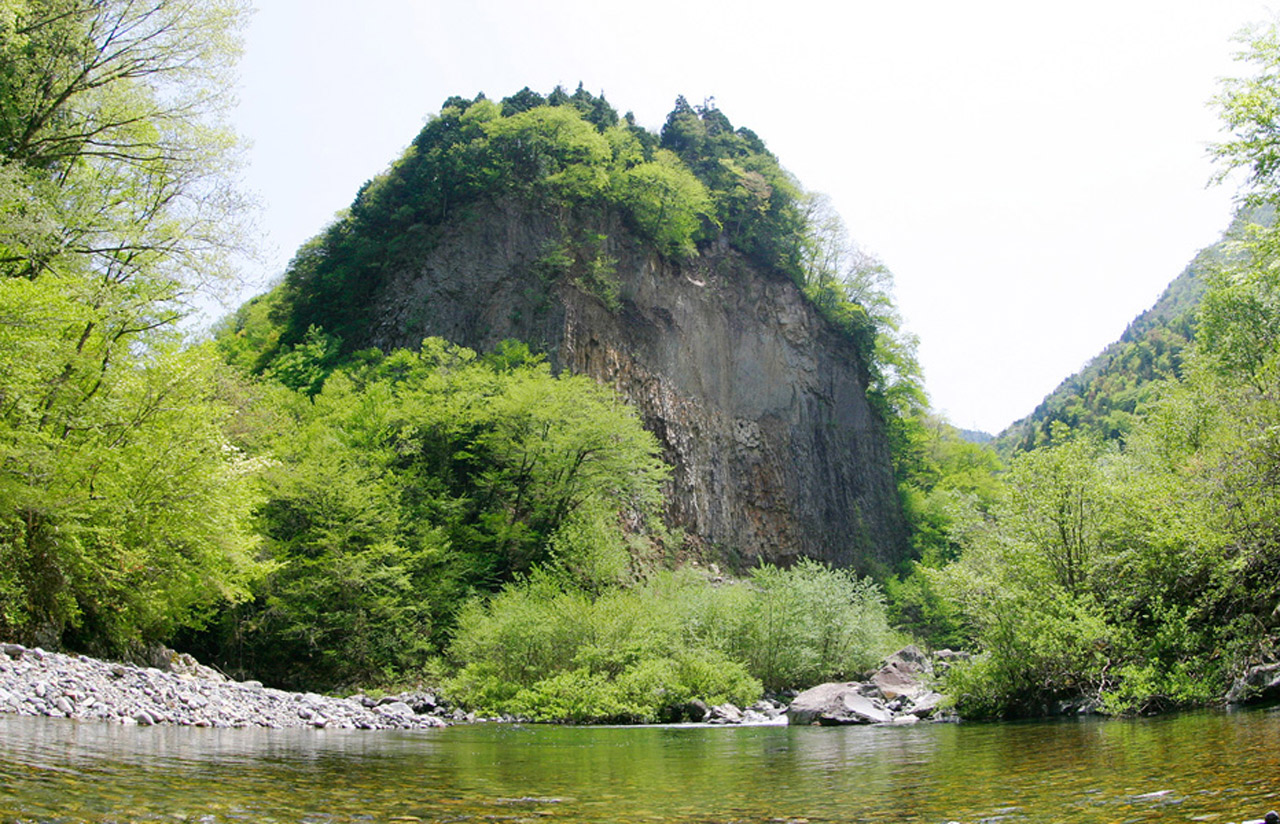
(547, 649)
(812, 623)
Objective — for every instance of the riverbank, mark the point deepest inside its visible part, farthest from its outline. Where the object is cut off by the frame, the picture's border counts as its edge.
(38, 683)
(181, 691)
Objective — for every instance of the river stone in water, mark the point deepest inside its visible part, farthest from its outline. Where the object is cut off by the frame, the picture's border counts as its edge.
(837, 704)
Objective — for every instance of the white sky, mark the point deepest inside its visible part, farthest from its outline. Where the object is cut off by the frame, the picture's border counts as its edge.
(1033, 173)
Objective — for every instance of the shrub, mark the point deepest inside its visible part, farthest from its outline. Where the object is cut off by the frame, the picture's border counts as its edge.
(547, 649)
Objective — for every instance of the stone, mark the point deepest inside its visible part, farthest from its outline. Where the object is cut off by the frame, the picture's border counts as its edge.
(694, 710)
(911, 659)
(195, 700)
(422, 702)
(395, 708)
(894, 680)
(945, 659)
(1259, 683)
(80, 687)
(837, 703)
(724, 714)
(13, 650)
(926, 705)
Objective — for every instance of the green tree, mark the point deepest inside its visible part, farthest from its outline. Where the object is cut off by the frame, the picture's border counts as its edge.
(666, 202)
(123, 502)
(413, 480)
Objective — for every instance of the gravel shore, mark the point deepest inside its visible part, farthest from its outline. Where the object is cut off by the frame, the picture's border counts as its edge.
(35, 682)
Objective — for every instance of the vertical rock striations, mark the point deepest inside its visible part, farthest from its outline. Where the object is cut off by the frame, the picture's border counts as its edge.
(760, 404)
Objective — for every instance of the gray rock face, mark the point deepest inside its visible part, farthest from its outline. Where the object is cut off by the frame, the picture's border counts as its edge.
(760, 405)
(1260, 683)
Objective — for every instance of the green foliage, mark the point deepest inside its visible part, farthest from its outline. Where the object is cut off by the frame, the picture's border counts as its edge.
(757, 203)
(125, 509)
(548, 649)
(1144, 577)
(550, 149)
(124, 504)
(665, 201)
(304, 366)
(114, 155)
(411, 480)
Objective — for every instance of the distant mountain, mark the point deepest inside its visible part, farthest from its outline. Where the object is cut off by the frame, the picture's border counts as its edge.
(1106, 395)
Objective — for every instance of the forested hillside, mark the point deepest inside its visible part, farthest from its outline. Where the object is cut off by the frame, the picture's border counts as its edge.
(1129, 559)
(1106, 397)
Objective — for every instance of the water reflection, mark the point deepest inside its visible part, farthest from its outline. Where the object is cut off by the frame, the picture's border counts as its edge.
(1198, 767)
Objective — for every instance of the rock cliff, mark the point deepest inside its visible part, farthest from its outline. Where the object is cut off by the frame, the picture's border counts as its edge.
(759, 403)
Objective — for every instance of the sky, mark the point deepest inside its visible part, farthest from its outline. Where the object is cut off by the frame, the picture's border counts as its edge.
(1034, 174)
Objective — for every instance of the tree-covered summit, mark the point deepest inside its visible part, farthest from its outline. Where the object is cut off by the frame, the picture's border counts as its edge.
(569, 155)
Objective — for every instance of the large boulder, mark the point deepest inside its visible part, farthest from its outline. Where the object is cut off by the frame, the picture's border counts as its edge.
(835, 703)
(1260, 683)
(903, 673)
(945, 659)
(912, 659)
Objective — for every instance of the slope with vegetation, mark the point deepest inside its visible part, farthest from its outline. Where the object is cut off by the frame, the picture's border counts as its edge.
(686, 269)
(1106, 397)
(1132, 563)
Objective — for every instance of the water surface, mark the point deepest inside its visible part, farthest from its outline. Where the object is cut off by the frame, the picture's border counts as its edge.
(1216, 767)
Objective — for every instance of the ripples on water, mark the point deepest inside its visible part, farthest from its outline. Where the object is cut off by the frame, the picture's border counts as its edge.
(1213, 767)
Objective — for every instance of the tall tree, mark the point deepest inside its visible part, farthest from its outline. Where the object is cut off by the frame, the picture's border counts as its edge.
(115, 206)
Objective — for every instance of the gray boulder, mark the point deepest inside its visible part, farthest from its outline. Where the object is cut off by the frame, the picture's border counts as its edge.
(1260, 683)
(945, 659)
(911, 659)
(903, 674)
(925, 705)
(830, 704)
(394, 708)
(724, 714)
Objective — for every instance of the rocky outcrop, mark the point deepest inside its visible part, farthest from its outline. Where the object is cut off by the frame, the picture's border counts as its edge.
(1258, 684)
(897, 693)
(760, 404)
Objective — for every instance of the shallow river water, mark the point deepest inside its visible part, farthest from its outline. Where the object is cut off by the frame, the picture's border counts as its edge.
(1216, 767)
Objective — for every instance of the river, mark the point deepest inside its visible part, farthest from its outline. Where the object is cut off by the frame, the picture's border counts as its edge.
(1208, 766)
